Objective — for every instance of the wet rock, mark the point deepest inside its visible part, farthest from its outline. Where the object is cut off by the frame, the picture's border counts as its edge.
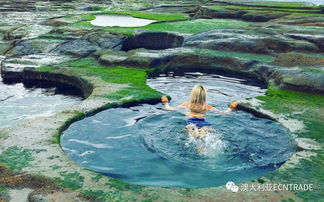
(33, 46)
(298, 80)
(78, 47)
(298, 19)
(136, 58)
(238, 40)
(293, 59)
(90, 42)
(205, 63)
(307, 144)
(153, 41)
(48, 196)
(179, 59)
(233, 40)
(17, 6)
(171, 9)
(302, 46)
(56, 22)
(12, 68)
(105, 39)
(5, 46)
(17, 32)
(65, 33)
(251, 41)
(70, 83)
(317, 39)
(202, 12)
(111, 58)
(261, 16)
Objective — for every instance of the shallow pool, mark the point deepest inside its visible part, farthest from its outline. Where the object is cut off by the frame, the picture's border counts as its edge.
(19, 104)
(149, 146)
(120, 21)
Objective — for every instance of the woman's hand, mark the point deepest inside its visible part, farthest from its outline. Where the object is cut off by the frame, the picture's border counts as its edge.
(233, 105)
(164, 99)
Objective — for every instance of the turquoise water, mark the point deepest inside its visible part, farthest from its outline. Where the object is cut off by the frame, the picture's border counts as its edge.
(149, 146)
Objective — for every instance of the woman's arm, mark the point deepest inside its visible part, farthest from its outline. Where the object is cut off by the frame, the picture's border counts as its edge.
(231, 107)
(165, 102)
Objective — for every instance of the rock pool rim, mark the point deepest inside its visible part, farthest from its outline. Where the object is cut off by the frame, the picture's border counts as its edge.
(64, 84)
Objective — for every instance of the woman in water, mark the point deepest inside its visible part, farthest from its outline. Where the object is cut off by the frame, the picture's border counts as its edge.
(197, 126)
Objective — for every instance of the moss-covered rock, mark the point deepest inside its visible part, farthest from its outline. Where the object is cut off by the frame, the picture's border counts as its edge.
(262, 16)
(293, 59)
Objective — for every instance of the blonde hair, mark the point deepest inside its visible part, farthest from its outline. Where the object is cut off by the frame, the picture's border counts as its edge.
(198, 99)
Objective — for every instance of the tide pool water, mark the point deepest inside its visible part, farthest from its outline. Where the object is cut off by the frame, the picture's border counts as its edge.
(120, 21)
(19, 104)
(150, 146)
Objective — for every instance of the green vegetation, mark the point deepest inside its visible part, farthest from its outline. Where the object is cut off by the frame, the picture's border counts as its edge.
(78, 116)
(296, 105)
(135, 78)
(187, 26)
(124, 186)
(71, 180)
(249, 56)
(307, 171)
(151, 16)
(97, 177)
(4, 193)
(16, 158)
(105, 196)
(97, 8)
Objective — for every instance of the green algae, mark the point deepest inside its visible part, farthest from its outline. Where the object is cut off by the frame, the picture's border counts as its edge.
(3, 191)
(16, 158)
(57, 137)
(307, 171)
(124, 186)
(185, 26)
(71, 180)
(105, 195)
(308, 108)
(135, 78)
(151, 16)
(97, 8)
(296, 105)
(97, 177)
(117, 192)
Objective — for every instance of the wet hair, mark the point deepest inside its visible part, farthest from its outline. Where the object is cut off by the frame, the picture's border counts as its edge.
(198, 99)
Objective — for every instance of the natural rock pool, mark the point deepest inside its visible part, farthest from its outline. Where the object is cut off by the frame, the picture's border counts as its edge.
(18, 103)
(149, 146)
(120, 21)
